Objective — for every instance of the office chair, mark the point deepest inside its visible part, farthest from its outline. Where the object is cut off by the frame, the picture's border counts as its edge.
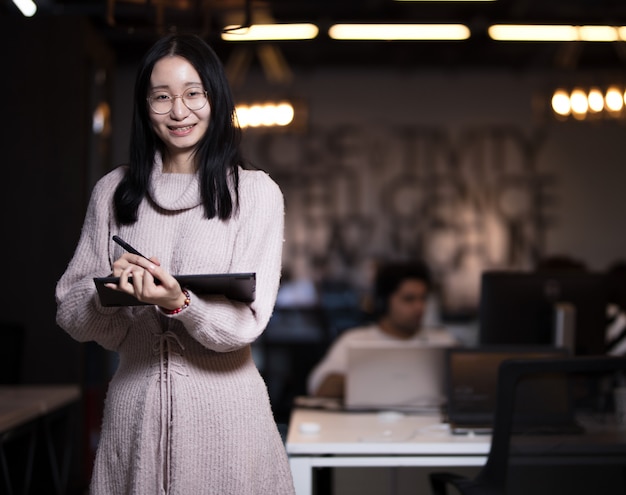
(492, 478)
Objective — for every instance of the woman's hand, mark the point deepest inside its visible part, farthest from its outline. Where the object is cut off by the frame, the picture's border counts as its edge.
(150, 283)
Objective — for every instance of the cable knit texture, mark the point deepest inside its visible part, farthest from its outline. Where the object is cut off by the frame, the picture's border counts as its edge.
(187, 412)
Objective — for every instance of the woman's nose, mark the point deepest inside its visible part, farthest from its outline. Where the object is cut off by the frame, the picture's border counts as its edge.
(179, 109)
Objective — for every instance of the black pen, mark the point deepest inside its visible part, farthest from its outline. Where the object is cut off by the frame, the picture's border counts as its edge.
(132, 250)
(128, 247)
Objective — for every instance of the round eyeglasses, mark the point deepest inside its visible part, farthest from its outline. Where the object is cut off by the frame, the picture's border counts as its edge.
(162, 102)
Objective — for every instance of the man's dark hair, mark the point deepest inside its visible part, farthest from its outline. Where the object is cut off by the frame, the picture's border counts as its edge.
(390, 276)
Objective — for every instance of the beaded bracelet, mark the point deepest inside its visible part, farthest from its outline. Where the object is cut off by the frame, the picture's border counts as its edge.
(178, 310)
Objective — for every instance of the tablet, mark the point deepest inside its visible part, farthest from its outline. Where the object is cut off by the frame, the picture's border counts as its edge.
(235, 286)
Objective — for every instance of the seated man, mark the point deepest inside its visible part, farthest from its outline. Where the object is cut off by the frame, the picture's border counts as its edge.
(401, 293)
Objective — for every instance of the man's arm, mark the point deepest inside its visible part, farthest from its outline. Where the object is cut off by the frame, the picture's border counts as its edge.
(332, 386)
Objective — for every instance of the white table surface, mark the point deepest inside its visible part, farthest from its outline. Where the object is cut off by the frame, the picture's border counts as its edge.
(387, 433)
(321, 438)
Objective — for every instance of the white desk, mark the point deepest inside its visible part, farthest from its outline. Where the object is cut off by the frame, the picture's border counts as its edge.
(371, 439)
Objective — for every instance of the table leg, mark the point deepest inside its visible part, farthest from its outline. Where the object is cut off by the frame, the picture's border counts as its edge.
(60, 467)
(8, 487)
(302, 473)
(30, 429)
(323, 481)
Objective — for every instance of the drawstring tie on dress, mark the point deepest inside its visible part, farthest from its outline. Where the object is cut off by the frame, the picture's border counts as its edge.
(164, 348)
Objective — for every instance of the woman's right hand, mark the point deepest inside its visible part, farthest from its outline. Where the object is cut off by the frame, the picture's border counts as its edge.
(150, 283)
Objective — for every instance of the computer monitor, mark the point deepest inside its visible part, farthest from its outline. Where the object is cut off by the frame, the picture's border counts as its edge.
(564, 309)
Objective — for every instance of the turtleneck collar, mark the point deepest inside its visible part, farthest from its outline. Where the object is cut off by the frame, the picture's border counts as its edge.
(173, 192)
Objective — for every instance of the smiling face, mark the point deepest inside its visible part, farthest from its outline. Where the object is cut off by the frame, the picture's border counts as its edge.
(180, 129)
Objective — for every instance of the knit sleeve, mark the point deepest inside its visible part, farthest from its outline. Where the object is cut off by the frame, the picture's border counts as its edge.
(79, 311)
(221, 324)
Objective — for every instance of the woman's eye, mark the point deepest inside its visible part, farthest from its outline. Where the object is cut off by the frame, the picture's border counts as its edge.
(160, 97)
(194, 93)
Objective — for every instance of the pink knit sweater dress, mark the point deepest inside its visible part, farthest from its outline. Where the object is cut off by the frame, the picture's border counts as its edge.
(187, 412)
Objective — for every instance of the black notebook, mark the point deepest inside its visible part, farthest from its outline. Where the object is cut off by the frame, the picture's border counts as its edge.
(236, 286)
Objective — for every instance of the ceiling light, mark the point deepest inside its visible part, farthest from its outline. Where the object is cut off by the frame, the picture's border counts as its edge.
(389, 32)
(598, 33)
(614, 99)
(596, 100)
(591, 103)
(265, 115)
(27, 7)
(579, 102)
(560, 32)
(561, 102)
(519, 32)
(270, 32)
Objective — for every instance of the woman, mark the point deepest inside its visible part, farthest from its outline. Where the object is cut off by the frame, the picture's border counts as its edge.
(186, 411)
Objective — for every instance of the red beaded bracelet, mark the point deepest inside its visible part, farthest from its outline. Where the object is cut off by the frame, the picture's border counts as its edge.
(178, 310)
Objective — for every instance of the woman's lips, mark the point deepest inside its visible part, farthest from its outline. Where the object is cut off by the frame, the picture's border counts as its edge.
(181, 130)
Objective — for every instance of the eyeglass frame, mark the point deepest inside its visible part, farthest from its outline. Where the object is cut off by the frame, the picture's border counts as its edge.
(182, 97)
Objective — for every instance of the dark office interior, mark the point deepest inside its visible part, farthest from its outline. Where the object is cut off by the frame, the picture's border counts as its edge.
(447, 151)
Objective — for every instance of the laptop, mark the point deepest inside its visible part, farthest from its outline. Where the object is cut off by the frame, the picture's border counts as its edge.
(543, 403)
(397, 376)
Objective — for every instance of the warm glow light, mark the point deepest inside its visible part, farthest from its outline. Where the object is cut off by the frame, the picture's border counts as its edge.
(521, 32)
(270, 32)
(101, 119)
(537, 32)
(265, 115)
(27, 7)
(255, 115)
(592, 102)
(614, 100)
(241, 112)
(284, 114)
(596, 100)
(390, 32)
(561, 103)
(579, 102)
(598, 33)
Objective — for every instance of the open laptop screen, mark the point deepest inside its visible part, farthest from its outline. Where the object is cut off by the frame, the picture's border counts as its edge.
(472, 375)
(390, 375)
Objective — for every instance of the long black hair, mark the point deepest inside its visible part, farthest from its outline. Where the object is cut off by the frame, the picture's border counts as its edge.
(218, 153)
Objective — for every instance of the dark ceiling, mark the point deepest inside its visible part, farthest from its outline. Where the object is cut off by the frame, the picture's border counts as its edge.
(130, 25)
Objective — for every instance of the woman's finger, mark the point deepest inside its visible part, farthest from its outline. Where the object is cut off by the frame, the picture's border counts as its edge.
(124, 283)
(138, 283)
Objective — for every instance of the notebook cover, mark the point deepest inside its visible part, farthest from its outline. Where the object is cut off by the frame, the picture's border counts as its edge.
(235, 286)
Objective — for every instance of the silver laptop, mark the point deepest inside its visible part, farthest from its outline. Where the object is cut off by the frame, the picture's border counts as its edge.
(395, 376)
